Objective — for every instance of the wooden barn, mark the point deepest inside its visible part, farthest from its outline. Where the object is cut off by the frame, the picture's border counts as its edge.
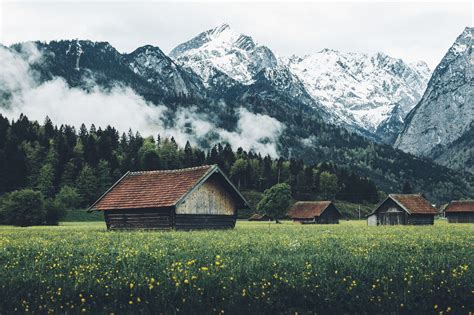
(460, 211)
(260, 217)
(315, 212)
(184, 199)
(407, 209)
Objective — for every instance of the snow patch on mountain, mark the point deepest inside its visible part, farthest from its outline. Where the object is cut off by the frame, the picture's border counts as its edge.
(360, 89)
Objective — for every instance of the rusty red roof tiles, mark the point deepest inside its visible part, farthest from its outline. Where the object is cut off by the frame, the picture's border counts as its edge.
(413, 203)
(308, 209)
(151, 189)
(460, 206)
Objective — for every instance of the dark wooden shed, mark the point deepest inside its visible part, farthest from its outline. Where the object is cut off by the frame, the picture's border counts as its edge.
(406, 209)
(315, 212)
(192, 198)
(460, 211)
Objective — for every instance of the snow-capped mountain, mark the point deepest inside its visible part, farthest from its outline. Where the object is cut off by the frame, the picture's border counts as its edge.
(203, 93)
(360, 89)
(222, 51)
(446, 111)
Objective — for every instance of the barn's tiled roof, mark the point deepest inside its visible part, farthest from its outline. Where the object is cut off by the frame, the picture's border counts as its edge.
(460, 206)
(413, 203)
(151, 189)
(308, 209)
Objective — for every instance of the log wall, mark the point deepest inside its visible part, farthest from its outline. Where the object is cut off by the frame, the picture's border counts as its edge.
(204, 221)
(420, 219)
(460, 217)
(124, 219)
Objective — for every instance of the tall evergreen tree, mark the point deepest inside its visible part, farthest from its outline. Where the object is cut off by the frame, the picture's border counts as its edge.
(87, 185)
(407, 189)
(104, 178)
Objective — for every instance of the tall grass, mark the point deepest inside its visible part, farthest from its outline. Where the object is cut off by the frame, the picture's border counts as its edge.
(256, 268)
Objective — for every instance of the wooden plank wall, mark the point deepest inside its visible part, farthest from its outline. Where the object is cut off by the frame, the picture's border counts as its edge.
(204, 221)
(329, 216)
(420, 219)
(460, 217)
(160, 219)
(210, 198)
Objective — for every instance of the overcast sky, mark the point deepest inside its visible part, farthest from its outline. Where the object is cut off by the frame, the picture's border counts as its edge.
(411, 31)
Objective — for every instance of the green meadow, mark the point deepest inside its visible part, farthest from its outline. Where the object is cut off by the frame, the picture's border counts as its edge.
(255, 268)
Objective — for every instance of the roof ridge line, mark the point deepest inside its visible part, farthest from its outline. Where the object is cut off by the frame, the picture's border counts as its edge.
(314, 201)
(174, 170)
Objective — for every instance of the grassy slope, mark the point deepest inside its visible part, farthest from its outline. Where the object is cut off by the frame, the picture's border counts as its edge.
(256, 267)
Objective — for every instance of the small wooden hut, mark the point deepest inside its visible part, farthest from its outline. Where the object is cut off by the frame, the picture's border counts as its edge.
(460, 211)
(315, 212)
(192, 198)
(260, 217)
(406, 209)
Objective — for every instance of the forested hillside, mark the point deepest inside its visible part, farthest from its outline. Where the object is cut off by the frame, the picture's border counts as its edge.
(48, 158)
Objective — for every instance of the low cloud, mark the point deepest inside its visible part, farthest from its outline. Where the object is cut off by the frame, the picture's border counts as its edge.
(121, 108)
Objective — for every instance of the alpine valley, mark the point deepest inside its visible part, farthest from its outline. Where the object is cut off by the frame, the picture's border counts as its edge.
(357, 111)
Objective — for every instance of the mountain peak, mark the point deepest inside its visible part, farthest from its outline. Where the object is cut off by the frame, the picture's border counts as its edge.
(328, 50)
(223, 51)
(221, 28)
(149, 49)
(463, 42)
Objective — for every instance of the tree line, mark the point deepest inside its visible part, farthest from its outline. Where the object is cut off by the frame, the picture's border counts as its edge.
(76, 166)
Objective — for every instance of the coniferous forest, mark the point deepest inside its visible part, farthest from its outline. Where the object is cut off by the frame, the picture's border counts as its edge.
(79, 165)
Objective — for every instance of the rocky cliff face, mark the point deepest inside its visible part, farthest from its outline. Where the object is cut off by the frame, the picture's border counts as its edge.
(446, 111)
(150, 63)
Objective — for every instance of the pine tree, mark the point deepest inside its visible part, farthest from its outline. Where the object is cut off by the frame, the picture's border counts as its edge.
(238, 172)
(87, 185)
(328, 185)
(188, 155)
(45, 180)
(104, 178)
(407, 189)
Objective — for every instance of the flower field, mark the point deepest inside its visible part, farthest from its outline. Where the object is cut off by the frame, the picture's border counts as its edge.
(256, 268)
